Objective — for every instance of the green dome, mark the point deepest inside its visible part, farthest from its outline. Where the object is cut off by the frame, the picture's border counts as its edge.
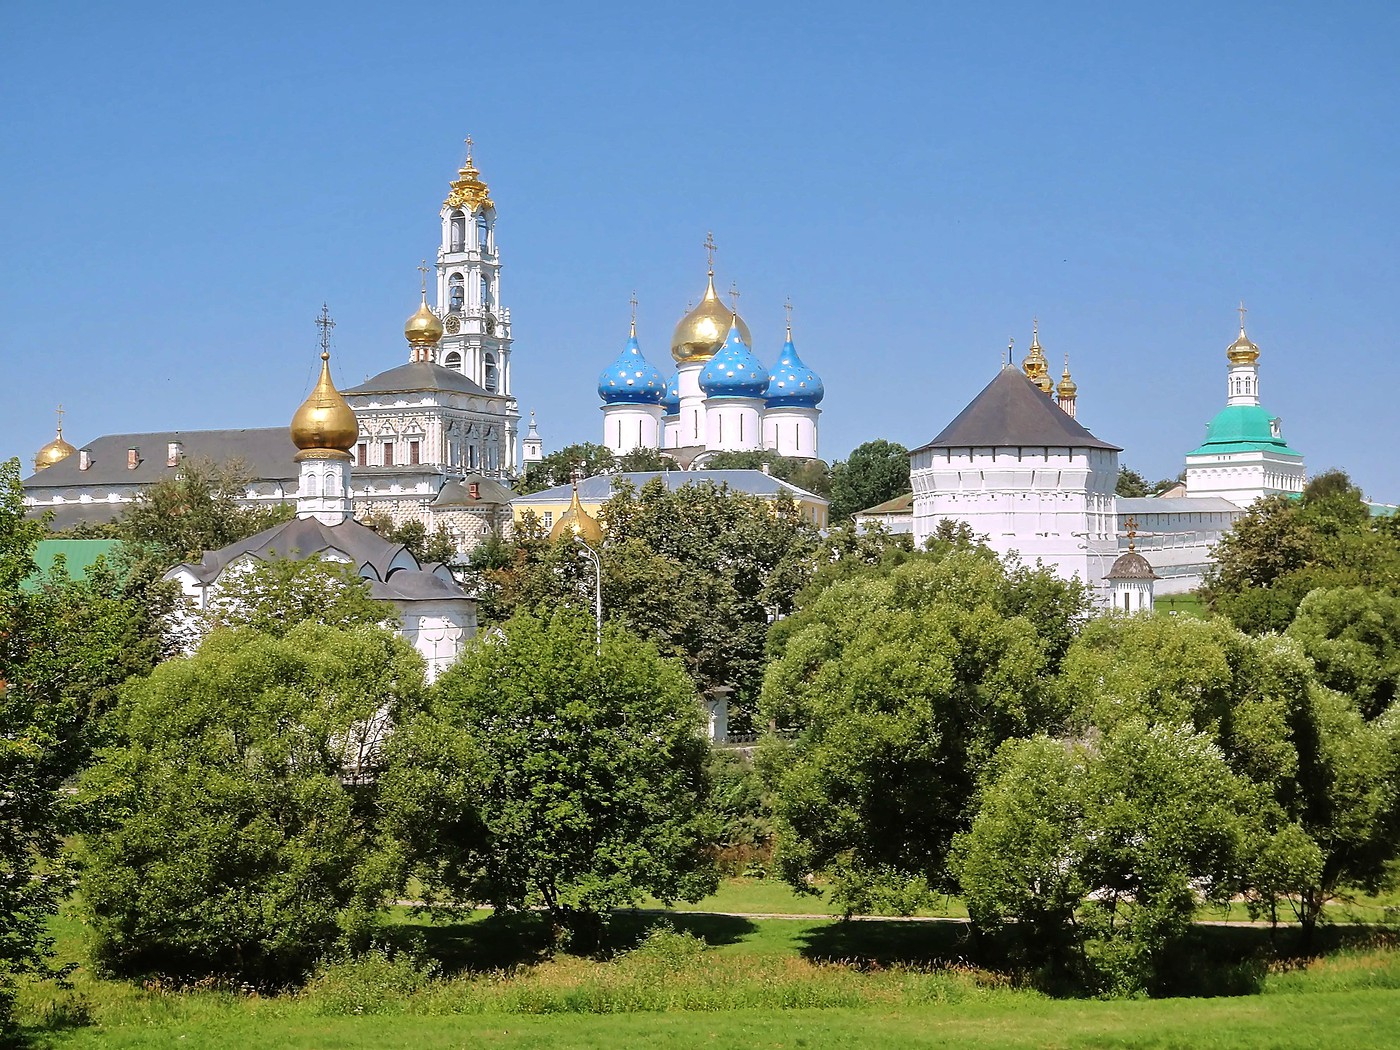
(1242, 428)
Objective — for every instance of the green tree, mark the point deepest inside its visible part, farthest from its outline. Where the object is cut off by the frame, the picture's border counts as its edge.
(810, 474)
(873, 473)
(425, 546)
(644, 459)
(1352, 635)
(558, 468)
(225, 839)
(1131, 483)
(196, 509)
(276, 595)
(544, 775)
(902, 684)
(1098, 849)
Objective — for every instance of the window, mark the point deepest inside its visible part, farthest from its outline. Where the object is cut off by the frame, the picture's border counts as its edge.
(453, 361)
(485, 292)
(388, 453)
(456, 296)
(362, 455)
(491, 377)
(483, 230)
(458, 240)
(413, 453)
(547, 518)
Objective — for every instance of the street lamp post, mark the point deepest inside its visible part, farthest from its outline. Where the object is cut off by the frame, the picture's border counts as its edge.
(597, 595)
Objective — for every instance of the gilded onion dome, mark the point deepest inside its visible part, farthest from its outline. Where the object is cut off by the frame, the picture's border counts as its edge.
(56, 451)
(734, 371)
(1067, 387)
(671, 400)
(701, 332)
(631, 379)
(1035, 366)
(577, 523)
(325, 426)
(791, 382)
(423, 329)
(1242, 351)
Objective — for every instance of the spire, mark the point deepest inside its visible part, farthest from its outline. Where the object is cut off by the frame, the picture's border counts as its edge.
(633, 300)
(1035, 366)
(468, 192)
(787, 309)
(1067, 391)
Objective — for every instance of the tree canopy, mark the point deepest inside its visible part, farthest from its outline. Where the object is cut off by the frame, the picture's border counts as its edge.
(873, 473)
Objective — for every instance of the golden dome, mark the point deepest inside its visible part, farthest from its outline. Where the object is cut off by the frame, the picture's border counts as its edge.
(578, 522)
(1035, 366)
(1067, 388)
(423, 328)
(56, 451)
(1242, 351)
(703, 330)
(325, 424)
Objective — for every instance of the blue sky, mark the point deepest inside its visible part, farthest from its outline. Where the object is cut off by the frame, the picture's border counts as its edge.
(185, 184)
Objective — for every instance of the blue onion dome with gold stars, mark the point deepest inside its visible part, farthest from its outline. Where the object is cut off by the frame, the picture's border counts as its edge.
(792, 383)
(734, 371)
(671, 403)
(631, 379)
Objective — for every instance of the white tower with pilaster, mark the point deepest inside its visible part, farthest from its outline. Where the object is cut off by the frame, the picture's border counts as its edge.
(790, 404)
(632, 390)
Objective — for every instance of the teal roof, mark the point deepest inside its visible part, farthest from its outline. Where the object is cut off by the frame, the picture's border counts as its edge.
(78, 556)
(1243, 428)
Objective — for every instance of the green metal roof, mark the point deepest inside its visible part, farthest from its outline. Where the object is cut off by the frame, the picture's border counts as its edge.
(1243, 428)
(78, 556)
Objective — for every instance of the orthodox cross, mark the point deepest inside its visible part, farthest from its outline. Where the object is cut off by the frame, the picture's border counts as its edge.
(710, 250)
(60, 418)
(633, 301)
(423, 269)
(1131, 525)
(787, 309)
(1242, 312)
(470, 143)
(734, 295)
(325, 324)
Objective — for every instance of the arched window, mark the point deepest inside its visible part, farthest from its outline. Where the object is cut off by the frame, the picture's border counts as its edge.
(456, 294)
(485, 292)
(453, 361)
(491, 377)
(458, 239)
(483, 230)
(313, 487)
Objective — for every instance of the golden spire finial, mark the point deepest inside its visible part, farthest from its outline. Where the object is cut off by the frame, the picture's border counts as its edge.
(1131, 524)
(787, 309)
(1242, 312)
(734, 297)
(633, 301)
(325, 425)
(325, 324)
(423, 271)
(710, 247)
(59, 413)
(470, 144)
(1035, 332)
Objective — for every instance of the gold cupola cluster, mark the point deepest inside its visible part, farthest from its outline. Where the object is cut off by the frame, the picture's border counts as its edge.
(468, 192)
(577, 523)
(1035, 366)
(56, 451)
(325, 426)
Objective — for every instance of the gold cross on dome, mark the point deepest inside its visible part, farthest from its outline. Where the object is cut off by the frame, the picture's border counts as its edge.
(470, 144)
(710, 247)
(59, 412)
(734, 295)
(325, 324)
(423, 269)
(1242, 312)
(1131, 524)
(787, 309)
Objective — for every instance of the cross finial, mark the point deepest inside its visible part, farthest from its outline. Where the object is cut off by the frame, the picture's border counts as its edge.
(470, 144)
(734, 296)
(325, 324)
(423, 269)
(1009, 354)
(787, 309)
(1035, 329)
(633, 301)
(710, 247)
(59, 412)
(1132, 526)
(1242, 312)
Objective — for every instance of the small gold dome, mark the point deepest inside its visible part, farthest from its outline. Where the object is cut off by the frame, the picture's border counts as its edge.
(56, 451)
(1242, 351)
(423, 328)
(1036, 368)
(1067, 388)
(704, 329)
(325, 423)
(578, 522)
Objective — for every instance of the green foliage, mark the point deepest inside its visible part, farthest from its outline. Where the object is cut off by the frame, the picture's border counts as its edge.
(437, 546)
(558, 467)
(276, 595)
(643, 459)
(1282, 548)
(1352, 635)
(903, 682)
(1098, 850)
(810, 474)
(743, 810)
(544, 775)
(224, 837)
(873, 473)
(194, 510)
(1131, 484)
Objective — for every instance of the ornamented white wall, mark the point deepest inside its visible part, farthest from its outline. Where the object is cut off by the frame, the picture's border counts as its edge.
(1243, 477)
(438, 630)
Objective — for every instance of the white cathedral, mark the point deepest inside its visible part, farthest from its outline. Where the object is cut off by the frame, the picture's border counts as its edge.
(720, 398)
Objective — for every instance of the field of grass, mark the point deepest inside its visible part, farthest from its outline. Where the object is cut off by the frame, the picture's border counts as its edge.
(730, 981)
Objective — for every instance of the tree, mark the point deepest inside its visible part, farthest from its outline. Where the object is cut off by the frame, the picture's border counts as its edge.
(902, 684)
(810, 474)
(198, 508)
(1098, 849)
(1131, 483)
(225, 839)
(558, 468)
(543, 774)
(437, 546)
(1352, 635)
(276, 595)
(644, 459)
(873, 473)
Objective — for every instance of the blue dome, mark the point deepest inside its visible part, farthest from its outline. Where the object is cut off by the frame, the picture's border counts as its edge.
(671, 403)
(734, 371)
(793, 383)
(631, 379)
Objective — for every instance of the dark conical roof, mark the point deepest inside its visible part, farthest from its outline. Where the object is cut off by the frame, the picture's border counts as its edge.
(1011, 411)
(1131, 566)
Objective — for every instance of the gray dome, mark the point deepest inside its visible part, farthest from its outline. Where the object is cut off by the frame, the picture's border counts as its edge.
(1131, 566)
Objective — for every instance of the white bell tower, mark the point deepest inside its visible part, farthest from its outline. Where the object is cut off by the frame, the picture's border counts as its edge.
(476, 327)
